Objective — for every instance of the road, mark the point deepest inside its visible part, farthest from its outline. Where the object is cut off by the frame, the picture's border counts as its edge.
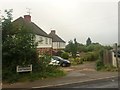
(104, 83)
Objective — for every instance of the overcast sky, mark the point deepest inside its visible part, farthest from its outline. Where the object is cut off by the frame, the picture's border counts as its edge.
(80, 19)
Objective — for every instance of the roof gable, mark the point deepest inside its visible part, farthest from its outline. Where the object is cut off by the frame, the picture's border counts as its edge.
(56, 38)
(37, 30)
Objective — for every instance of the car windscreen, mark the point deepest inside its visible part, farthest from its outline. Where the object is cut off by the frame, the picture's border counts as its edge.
(57, 58)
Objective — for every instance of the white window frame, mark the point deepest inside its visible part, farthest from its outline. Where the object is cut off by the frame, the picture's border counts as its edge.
(46, 40)
(41, 40)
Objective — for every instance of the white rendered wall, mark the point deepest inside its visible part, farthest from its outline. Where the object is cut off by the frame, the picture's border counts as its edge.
(44, 42)
(58, 45)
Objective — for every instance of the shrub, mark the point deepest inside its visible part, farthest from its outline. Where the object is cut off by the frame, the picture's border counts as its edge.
(65, 55)
(9, 76)
(41, 69)
(110, 68)
(90, 56)
(99, 62)
(76, 61)
(57, 53)
(42, 63)
(99, 65)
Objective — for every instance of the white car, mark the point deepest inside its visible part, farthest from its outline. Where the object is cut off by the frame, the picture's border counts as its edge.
(54, 62)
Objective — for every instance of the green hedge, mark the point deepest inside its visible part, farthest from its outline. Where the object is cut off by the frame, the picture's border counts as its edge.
(90, 56)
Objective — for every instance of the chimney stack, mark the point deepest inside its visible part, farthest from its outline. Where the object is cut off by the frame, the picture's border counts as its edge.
(27, 18)
(53, 31)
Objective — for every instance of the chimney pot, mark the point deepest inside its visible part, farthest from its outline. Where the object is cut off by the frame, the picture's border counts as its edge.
(53, 31)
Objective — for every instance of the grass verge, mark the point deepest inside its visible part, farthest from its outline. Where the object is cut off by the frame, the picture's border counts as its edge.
(27, 77)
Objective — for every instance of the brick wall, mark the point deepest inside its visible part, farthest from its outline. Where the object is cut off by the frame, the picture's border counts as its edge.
(44, 51)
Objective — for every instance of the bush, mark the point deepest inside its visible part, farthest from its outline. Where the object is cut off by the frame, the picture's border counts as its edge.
(57, 53)
(65, 55)
(76, 61)
(99, 62)
(9, 76)
(41, 69)
(99, 65)
(109, 68)
(90, 56)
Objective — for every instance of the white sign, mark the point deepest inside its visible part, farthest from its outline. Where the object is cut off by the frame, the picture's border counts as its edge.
(24, 69)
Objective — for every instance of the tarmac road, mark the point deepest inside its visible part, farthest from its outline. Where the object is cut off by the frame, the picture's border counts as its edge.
(103, 83)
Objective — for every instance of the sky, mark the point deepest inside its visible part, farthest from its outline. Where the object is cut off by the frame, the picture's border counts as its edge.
(80, 19)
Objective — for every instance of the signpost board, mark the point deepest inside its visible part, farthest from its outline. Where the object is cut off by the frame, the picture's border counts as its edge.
(27, 68)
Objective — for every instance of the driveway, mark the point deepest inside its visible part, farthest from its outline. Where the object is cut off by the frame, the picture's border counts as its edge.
(87, 66)
(79, 70)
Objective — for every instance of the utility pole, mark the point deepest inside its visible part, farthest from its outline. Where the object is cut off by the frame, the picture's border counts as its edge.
(116, 53)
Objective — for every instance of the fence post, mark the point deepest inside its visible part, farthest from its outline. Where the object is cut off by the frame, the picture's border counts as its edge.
(116, 52)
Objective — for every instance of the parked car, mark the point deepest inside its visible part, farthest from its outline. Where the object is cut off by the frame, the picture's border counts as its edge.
(56, 60)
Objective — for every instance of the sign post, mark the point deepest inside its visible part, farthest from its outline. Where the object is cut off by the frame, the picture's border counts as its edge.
(27, 68)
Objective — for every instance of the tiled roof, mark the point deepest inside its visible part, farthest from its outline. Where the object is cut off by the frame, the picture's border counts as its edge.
(56, 38)
(34, 28)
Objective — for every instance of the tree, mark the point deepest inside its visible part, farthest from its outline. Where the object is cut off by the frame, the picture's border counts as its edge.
(6, 38)
(18, 48)
(69, 47)
(75, 46)
(88, 42)
(81, 48)
(72, 47)
(7, 26)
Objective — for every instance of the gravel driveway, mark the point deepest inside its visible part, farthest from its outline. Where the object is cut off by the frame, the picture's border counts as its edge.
(87, 66)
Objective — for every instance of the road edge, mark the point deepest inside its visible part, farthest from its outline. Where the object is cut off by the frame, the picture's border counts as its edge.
(63, 84)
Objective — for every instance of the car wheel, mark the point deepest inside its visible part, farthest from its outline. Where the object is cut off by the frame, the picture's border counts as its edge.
(63, 65)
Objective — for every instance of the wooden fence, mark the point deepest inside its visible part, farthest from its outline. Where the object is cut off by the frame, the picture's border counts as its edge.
(107, 57)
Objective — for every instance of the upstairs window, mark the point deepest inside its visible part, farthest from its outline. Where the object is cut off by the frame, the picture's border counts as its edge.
(41, 40)
(50, 41)
(46, 40)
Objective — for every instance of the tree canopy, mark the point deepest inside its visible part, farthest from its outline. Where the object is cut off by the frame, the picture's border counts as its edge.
(88, 41)
(18, 48)
(72, 47)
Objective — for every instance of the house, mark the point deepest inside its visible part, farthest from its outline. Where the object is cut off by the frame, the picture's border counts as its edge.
(57, 42)
(45, 44)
